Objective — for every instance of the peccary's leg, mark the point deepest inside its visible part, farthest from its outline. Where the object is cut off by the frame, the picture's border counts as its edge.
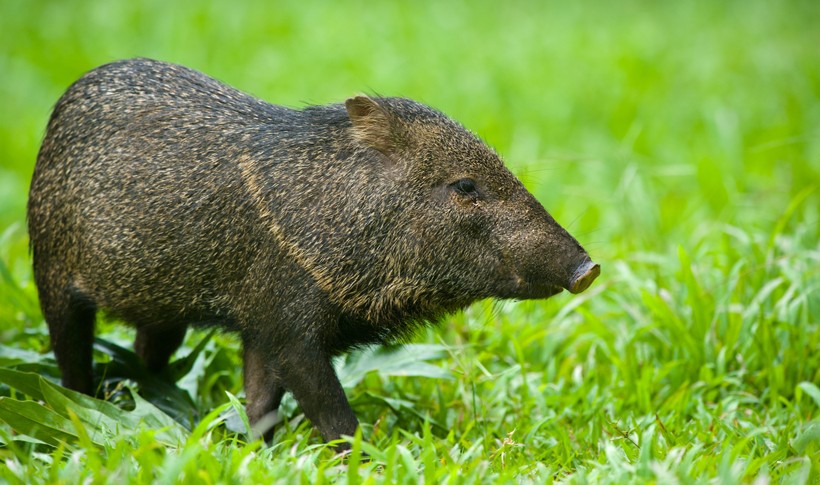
(70, 317)
(286, 322)
(306, 371)
(157, 343)
(262, 391)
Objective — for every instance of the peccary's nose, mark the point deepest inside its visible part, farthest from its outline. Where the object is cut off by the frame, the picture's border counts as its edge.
(584, 276)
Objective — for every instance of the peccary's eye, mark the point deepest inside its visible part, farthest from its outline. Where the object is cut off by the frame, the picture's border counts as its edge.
(465, 187)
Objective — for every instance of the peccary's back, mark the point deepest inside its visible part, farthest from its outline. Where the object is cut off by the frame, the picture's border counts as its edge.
(139, 194)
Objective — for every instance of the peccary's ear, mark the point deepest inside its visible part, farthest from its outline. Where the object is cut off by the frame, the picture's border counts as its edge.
(371, 123)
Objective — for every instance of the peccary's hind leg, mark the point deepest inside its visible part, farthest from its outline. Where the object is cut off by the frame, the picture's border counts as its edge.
(70, 318)
(157, 343)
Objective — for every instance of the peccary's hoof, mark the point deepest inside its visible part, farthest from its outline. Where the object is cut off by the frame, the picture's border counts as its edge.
(584, 276)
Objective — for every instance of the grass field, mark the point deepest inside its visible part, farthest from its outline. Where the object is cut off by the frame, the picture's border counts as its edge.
(678, 141)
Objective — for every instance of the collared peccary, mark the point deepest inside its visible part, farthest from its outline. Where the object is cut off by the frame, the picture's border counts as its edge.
(168, 199)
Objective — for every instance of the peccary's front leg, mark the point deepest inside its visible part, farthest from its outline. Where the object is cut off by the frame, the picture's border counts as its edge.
(263, 392)
(310, 376)
(305, 370)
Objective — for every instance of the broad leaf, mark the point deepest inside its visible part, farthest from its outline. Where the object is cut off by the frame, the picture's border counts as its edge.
(26, 382)
(156, 388)
(34, 419)
(100, 417)
(407, 360)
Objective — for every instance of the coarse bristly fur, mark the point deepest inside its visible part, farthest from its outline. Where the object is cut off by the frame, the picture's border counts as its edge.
(168, 199)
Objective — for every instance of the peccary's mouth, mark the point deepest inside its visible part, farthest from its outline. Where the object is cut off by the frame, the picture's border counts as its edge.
(524, 290)
(542, 291)
(553, 290)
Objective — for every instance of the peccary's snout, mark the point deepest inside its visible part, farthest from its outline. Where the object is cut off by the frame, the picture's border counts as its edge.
(583, 276)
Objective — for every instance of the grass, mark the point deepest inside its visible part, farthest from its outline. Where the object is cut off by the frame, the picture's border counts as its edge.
(679, 142)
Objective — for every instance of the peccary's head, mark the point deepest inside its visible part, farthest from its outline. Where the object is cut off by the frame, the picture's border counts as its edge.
(458, 226)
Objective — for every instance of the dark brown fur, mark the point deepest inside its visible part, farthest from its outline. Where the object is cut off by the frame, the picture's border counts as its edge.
(169, 199)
